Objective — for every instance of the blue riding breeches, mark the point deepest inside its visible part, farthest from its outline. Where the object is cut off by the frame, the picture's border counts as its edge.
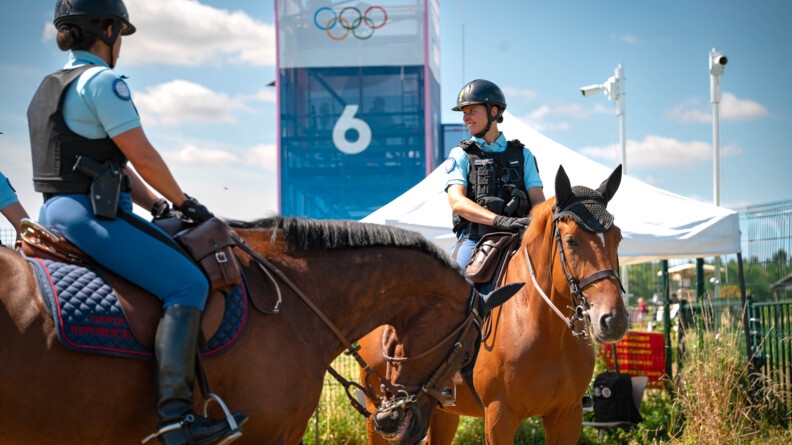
(130, 247)
(464, 249)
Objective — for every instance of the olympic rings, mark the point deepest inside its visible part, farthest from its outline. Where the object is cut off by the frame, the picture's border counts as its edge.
(350, 25)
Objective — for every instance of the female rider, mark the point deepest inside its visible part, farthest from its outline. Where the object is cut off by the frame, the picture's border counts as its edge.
(84, 132)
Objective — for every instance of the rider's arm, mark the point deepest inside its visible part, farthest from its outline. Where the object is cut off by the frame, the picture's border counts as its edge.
(464, 207)
(149, 164)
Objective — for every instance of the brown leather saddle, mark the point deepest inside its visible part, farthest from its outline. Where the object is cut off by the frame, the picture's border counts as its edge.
(141, 308)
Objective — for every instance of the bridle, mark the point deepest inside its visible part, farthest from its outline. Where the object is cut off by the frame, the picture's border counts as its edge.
(396, 396)
(580, 306)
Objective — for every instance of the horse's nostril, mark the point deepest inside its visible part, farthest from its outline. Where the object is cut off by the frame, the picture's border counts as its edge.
(605, 320)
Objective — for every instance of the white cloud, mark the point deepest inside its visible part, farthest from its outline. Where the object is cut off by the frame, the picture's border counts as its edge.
(731, 108)
(264, 95)
(658, 151)
(556, 117)
(519, 92)
(626, 38)
(191, 154)
(262, 155)
(188, 33)
(179, 101)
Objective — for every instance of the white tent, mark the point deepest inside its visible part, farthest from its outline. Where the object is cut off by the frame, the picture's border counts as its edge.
(655, 224)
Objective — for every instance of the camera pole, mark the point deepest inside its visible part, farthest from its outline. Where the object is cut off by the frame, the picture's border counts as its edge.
(717, 61)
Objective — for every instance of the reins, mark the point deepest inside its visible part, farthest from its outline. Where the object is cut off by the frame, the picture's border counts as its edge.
(404, 398)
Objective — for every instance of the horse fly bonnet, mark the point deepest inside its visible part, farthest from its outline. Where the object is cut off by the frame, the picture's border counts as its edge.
(586, 206)
(588, 209)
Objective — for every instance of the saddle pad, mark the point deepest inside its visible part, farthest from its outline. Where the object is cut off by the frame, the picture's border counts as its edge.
(88, 316)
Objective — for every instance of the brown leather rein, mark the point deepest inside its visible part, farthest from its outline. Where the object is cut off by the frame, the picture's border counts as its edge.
(400, 395)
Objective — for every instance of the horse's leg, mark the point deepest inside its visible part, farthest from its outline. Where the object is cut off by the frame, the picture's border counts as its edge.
(443, 428)
(562, 427)
(500, 423)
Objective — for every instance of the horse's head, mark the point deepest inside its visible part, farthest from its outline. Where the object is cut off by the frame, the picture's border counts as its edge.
(429, 364)
(584, 245)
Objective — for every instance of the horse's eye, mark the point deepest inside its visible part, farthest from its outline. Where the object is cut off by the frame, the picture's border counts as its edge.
(570, 241)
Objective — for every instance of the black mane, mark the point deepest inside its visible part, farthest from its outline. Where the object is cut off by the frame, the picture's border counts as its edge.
(308, 234)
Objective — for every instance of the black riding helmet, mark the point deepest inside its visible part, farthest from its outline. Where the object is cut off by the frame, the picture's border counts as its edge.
(93, 16)
(486, 93)
(88, 14)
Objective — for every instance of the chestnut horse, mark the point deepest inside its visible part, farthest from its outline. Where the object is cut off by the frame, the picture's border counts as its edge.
(358, 276)
(538, 359)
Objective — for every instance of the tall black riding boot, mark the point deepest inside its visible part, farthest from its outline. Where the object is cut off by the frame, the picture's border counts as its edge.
(175, 349)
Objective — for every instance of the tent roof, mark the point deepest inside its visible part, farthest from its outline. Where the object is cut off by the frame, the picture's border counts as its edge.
(655, 224)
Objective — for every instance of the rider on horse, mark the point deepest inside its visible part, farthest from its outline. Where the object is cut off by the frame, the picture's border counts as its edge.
(84, 128)
(492, 184)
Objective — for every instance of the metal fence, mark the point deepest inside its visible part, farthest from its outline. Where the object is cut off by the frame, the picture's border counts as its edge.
(770, 329)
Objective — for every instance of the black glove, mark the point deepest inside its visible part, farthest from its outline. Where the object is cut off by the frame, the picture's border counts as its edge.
(509, 224)
(194, 210)
(161, 209)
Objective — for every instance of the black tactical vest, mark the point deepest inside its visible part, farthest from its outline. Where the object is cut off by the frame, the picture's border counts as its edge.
(492, 179)
(54, 146)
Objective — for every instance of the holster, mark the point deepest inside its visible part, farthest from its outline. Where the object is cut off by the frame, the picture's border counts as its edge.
(105, 185)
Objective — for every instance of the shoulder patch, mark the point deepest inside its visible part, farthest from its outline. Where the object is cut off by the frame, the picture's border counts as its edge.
(121, 89)
(449, 165)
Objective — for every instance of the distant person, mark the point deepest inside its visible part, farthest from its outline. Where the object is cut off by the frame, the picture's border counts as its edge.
(643, 310)
(10, 206)
(83, 115)
(491, 183)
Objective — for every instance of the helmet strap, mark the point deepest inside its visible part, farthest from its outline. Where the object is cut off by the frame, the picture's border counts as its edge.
(110, 41)
(490, 120)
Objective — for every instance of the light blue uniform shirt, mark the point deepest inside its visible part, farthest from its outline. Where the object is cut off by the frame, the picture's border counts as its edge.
(8, 195)
(98, 104)
(457, 166)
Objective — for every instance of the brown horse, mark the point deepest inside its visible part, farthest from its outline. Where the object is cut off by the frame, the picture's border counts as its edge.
(539, 358)
(358, 276)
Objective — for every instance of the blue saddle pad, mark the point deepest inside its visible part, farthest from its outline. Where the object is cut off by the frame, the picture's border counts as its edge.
(88, 316)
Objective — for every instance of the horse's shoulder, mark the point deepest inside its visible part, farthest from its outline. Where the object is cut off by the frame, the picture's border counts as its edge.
(19, 292)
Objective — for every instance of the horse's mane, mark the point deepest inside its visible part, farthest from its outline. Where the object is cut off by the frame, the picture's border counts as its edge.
(539, 216)
(308, 234)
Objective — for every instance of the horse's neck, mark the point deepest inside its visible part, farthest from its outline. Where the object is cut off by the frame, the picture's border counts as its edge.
(541, 251)
(378, 286)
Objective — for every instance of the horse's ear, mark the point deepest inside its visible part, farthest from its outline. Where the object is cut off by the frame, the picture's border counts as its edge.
(609, 186)
(562, 187)
(499, 296)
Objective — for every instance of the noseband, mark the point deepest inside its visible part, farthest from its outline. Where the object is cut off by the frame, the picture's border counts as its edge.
(397, 396)
(580, 306)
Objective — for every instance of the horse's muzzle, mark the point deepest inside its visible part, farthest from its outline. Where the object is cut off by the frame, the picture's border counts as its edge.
(609, 327)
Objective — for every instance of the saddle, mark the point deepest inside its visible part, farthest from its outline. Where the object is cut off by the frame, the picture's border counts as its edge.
(141, 308)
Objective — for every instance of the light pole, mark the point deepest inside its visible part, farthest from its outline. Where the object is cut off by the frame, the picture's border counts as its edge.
(717, 62)
(614, 89)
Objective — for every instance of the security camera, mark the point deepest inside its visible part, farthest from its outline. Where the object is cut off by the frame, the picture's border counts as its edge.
(591, 90)
(717, 61)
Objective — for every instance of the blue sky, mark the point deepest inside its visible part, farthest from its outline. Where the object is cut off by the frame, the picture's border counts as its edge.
(199, 71)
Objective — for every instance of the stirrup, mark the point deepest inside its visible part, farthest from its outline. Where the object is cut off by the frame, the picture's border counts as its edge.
(236, 433)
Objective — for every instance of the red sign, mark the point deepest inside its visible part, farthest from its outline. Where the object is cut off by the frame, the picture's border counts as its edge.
(639, 353)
